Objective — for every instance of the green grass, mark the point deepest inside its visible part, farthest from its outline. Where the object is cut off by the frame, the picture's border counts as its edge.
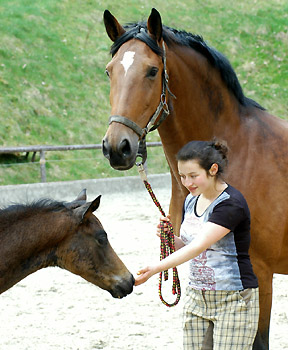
(53, 54)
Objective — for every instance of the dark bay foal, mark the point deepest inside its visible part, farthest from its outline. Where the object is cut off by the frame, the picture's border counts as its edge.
(49, 233)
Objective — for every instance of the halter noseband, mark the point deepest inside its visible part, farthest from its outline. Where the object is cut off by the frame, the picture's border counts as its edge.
(163, 106)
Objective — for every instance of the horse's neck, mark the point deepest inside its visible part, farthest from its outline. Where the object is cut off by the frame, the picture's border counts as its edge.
(202, 98)
(202, 109)
(27, 246)
(204, 106)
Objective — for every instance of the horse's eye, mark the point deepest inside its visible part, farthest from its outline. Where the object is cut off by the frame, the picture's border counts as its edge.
(152, 72)
(102, 239)
(106, 71)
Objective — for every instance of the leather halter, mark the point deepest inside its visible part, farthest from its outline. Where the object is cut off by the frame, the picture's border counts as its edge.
(163, 106)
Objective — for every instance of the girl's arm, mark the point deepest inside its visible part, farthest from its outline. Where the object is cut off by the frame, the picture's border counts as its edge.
(178, 242)
(210, 235)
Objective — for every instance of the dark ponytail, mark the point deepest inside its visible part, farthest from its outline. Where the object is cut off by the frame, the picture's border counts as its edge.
(206, 153)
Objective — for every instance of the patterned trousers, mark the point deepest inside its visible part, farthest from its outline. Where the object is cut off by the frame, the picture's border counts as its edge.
(220, 320)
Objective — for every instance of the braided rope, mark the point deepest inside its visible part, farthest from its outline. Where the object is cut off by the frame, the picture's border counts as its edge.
(167, 246)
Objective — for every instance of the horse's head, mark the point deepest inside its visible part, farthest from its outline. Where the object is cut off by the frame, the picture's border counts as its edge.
(137, 86)
(88, 253)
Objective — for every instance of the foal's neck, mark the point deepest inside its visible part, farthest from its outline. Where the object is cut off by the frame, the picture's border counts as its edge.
(29, 245)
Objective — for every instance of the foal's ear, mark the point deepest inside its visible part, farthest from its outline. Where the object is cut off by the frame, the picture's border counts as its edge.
(82, 196)
(154, 25)
(80, 200)
(113, 28)
(94, 205)
(86, 210)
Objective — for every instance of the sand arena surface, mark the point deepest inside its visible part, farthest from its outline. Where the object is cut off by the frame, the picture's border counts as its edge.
(54, 309)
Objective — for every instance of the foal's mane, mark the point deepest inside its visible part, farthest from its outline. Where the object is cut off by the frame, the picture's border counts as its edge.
(173, 36)
(16, 212)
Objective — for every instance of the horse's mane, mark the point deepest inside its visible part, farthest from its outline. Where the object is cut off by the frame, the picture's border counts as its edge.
(173, 36)
(16, 212)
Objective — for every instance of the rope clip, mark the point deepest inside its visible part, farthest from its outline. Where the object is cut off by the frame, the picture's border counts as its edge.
(141, 170)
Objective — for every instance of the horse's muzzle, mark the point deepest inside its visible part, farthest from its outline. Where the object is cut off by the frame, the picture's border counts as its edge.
(121, 157)
(123, 288)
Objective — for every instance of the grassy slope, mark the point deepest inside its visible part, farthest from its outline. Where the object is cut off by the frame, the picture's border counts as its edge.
(53, 55)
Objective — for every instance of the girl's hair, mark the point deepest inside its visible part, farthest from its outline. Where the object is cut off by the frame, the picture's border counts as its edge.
(206, 153)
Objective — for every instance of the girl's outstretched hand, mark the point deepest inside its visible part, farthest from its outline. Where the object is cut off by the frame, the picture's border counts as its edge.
(143, 275)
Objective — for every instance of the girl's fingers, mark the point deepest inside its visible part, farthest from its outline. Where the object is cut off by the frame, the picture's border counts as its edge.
(163, 221)
(142, 276)
(165, 218)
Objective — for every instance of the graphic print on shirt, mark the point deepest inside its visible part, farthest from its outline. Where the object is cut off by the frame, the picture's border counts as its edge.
(201, 276)
(220, 267)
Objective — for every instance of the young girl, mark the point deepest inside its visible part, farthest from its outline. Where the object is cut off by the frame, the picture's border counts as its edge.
(221, 307)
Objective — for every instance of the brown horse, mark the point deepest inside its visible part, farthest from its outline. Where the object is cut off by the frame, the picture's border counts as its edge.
(68, 235)
(203, 99)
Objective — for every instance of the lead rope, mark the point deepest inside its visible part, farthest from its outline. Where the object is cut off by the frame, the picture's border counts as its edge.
(167, 244)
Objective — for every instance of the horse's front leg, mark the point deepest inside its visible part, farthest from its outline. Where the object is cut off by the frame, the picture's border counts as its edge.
(176, 204)
(265, 278)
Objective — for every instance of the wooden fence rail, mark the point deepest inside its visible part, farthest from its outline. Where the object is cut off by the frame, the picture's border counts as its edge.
(42, 149)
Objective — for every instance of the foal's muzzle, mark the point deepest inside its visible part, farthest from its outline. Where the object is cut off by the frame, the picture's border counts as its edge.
(123, 288)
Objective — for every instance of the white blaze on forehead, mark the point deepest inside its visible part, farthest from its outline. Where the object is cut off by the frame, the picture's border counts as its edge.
(127, 60)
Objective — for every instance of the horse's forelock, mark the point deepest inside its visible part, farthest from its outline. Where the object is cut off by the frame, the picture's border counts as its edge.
(136, 31)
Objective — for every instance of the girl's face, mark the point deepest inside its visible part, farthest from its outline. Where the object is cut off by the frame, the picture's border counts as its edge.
(194, 177)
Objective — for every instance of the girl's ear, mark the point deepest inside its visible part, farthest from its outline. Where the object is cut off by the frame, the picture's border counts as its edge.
(214, 169)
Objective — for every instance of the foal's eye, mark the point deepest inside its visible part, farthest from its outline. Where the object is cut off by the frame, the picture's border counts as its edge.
(102, 238)
(101, 241)
(107, 73)
(152, 72)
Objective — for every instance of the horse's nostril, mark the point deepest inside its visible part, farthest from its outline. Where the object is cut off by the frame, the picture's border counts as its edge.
(120, 153)
(105, 149)
(125, 148)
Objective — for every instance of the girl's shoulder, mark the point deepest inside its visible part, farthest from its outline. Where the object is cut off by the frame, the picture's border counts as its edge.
(190, 202)
(235, 195)
(231, 200)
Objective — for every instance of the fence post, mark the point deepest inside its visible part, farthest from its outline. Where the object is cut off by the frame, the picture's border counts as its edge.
(42, 166)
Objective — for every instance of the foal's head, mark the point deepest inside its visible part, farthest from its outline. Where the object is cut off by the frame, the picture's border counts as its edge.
(88, 253)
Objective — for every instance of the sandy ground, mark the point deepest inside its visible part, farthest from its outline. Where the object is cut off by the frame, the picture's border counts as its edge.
(53, 309)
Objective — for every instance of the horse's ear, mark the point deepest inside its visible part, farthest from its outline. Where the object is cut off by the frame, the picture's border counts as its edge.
(86, 210)
(82, 196)
(80, 200)
(154, 25)
(113, 28)
(94, 205)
